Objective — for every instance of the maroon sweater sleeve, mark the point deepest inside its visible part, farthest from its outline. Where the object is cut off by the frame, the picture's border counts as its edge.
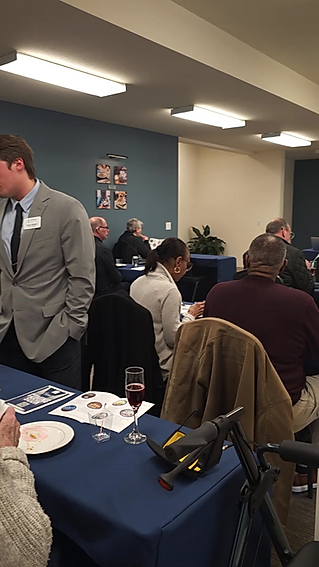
(311, 329)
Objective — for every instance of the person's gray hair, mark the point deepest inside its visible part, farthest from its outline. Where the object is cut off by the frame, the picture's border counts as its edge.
(276, 225)
(267, 251)
(133, 224)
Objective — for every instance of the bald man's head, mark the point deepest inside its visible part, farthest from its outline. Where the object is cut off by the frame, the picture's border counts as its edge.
(99, 227)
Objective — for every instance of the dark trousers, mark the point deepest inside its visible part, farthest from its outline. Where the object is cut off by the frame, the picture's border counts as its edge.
(63, 366)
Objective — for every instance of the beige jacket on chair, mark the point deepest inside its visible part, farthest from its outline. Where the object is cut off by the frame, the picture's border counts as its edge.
(217, 367)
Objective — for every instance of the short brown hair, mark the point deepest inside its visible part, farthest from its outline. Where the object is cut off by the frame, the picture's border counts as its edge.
(13, 147)
(267, 250)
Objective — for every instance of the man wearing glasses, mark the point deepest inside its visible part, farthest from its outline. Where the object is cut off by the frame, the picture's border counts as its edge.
(285, 320)
(297, 273)
(108, 277)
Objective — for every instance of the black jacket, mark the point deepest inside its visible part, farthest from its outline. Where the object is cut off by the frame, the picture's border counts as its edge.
(108, 276)
(121, 334)
(296, 273)
(142, 247)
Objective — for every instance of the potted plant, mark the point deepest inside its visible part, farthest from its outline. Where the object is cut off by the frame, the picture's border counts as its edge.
(204, 243)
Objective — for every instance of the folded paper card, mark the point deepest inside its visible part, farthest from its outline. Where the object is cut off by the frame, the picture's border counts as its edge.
(79, 408)
(37, 399)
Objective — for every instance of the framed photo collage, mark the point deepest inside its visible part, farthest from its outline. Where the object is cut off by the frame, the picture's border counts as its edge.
(112, 196)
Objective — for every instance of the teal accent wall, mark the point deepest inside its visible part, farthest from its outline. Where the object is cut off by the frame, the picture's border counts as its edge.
(67, 149)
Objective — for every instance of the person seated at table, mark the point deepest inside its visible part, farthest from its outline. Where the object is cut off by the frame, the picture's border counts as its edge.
(108, 277)
(285, 320)
(25, 530)
(133, 236)
(157, 291)
(297, 272)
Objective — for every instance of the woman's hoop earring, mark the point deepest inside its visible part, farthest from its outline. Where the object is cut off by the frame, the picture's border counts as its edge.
(177, 270)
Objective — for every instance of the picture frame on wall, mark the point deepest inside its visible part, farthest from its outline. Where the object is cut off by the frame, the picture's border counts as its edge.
(103, 199)
(120, 200)
(120, 175)
(103, 173)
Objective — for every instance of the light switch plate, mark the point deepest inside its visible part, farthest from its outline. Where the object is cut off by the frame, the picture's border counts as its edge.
(168, 226)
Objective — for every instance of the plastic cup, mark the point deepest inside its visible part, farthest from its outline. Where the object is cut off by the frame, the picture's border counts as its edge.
(100, 425)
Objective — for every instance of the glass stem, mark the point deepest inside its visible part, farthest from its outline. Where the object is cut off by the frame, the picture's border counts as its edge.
(135, 425)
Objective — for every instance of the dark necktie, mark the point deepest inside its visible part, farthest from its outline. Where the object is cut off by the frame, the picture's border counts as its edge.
(15, 240)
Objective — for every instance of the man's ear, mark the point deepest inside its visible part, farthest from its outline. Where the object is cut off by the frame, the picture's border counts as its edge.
(248, 263)
(19, 163)
(284, 265)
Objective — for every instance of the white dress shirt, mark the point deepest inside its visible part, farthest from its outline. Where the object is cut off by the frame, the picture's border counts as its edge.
(10, 215)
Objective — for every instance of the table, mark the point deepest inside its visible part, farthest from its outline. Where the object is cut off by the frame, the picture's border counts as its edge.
(219, 268)
(129, 274)
(225, 266)
(106, 498)
(310, 253)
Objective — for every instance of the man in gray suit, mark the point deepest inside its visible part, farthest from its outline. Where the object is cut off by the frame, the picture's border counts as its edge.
(47, 271)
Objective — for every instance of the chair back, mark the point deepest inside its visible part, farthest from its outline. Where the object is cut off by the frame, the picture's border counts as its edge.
(216, 367)
(188, 287)
(125, 251)
(121, 334)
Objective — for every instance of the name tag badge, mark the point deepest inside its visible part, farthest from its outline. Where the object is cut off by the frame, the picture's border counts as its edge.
(31, 222)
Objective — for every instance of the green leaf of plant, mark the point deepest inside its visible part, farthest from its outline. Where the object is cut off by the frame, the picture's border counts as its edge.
(197, 231)
(206, 243)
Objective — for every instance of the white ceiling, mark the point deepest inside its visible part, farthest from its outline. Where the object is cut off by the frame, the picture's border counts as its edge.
(160, 78)
(285, 30)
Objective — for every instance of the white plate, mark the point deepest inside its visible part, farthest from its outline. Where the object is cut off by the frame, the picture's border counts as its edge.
(121, 265)
(44, 436)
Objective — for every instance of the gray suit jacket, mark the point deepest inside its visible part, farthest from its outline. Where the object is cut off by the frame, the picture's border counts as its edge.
(51, 292)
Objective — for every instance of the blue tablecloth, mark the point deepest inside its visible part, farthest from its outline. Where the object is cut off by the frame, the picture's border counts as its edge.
(223, 268)
(225, 265)
(129, 274)
(106, 497)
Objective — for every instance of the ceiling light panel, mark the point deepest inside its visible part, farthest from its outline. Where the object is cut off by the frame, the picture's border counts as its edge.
(58, 75)
(206, 116)
(283, 139)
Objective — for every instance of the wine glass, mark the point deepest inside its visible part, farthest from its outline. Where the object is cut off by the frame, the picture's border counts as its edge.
(135, 392)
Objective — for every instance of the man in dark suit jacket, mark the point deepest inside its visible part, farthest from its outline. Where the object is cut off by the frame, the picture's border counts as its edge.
(108, 277)
(297, 273)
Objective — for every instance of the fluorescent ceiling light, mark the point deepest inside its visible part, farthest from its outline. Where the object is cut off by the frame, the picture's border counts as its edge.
(205, 116)
(58, 75)
(285, 140)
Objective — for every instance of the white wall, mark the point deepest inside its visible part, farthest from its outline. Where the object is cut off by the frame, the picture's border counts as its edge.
(288, 189)
(189, 213)
(237, 195)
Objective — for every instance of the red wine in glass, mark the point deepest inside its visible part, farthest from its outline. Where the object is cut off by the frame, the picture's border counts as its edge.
(135, 394)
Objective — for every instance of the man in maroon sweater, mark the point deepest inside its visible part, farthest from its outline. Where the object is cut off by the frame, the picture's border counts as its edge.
(285, 320)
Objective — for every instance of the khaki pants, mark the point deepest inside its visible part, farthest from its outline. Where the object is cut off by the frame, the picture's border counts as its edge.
(306, 410)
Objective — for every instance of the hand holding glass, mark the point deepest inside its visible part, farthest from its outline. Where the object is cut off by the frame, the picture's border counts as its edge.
(135, 392)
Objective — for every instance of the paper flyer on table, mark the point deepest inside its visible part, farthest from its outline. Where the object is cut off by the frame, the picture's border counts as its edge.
(79, 407)
(38, 399)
